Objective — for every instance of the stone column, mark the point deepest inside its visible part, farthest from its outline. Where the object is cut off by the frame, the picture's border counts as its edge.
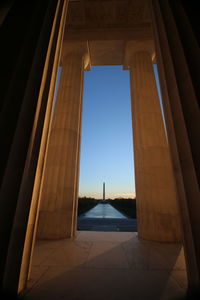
(178, 64)
(77, 179)
(29, 243)
(25, 87)
(157, 211)
(56, 217)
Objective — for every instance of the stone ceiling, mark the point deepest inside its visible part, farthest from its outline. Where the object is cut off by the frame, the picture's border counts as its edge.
(107, 25)
(97, 14)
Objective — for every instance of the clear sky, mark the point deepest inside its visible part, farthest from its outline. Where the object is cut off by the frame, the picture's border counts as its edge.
(107, 143)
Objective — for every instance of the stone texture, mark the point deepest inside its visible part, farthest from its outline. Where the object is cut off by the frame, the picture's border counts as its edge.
(60, 181)
(106, 265)
(178, 62)
(157, 210)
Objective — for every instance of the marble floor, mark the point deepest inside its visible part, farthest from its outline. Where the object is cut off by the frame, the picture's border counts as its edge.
(106, 265)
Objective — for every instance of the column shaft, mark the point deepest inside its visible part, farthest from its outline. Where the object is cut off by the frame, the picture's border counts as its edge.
(25, 89)
(157, 211)
(77, 173)
(34, 208)
(179, 80)
(56, 218)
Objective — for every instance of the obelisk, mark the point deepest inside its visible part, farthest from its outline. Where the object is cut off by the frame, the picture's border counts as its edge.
(104, 191)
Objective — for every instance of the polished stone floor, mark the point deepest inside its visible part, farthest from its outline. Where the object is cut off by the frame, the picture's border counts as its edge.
(107, 265)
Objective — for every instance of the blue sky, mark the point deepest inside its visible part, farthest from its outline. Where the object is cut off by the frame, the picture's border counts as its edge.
(107, 143)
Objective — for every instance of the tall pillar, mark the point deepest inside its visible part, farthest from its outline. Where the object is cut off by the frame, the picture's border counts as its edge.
(31, 229)
(58, 203)
(157, 211)
(178, 55)
(26, 88)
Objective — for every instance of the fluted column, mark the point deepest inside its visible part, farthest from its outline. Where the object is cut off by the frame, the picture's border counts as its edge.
(178, 65)
(157, 210)
(56, 218)
(26, 86)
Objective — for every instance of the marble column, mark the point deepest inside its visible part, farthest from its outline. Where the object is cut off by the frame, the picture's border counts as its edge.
(25, 87)
(58, 203)
(157, 211)
(29, 243)
(178, 65)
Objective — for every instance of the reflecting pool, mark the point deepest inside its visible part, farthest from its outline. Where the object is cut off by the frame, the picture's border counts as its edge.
(103, 211)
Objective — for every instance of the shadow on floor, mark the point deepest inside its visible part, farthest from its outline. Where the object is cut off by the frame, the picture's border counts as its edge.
(106, 266)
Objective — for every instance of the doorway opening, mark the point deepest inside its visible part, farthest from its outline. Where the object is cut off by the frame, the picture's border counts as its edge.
(107, 186)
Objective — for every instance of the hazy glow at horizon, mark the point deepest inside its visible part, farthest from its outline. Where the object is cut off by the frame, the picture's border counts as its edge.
(107, 146)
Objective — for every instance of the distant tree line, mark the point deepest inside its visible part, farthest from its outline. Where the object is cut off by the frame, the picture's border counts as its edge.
(126, 206)
(86, 203)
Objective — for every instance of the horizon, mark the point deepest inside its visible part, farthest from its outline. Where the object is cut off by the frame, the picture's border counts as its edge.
(107, 198)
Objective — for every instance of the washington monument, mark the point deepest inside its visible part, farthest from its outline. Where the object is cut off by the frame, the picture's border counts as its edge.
(104, 191)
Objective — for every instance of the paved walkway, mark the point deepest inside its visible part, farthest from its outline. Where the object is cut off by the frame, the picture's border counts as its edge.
(106, 266)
